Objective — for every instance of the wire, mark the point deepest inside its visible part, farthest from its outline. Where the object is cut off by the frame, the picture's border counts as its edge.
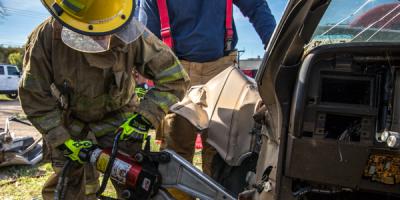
(62, 184)
(11, 13)
(110, 164)
(24, 13)
(28, 11)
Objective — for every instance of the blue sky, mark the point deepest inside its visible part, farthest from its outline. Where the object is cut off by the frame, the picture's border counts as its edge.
(25, 15)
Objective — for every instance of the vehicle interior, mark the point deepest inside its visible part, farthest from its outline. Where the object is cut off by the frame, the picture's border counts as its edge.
(336, 92)
(344, 97)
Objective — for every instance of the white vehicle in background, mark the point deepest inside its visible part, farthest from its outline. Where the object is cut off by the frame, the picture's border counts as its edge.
(9, 79)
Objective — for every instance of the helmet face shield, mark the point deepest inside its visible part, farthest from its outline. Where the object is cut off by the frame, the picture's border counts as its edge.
(84, 43)
(96, 44)
(131, 31)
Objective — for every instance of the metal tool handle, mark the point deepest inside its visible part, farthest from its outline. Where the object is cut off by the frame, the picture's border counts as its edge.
(182, 175)
(162, 195)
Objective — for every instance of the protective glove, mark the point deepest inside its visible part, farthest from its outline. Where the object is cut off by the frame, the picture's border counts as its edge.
(77, 150)
(135, 128)
(140, 91)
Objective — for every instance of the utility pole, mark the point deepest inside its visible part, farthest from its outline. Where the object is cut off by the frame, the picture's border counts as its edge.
(240, 52)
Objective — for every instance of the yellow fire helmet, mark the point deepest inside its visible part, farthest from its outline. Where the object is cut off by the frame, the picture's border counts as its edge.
(89, 24)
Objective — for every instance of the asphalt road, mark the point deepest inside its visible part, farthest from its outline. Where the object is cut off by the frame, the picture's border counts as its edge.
(12, 107)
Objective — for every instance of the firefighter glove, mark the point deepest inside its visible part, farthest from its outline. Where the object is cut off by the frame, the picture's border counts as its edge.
(140, 92)
(135, 128)
(77, 150)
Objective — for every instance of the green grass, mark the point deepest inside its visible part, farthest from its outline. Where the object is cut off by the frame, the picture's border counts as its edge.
(197, 159)
(23, 182)
(4, 98)
(21, 116)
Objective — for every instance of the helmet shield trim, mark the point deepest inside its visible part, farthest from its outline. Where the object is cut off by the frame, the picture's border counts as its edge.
(84, 43)
(133, 30)
(97, 44)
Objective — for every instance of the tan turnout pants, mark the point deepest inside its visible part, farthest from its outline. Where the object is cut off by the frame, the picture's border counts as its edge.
(179, 134)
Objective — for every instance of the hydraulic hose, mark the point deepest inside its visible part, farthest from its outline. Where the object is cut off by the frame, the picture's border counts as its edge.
(59, 192)
(110, 164)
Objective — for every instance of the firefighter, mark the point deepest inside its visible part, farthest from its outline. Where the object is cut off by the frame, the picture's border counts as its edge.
(77, 87)
(203, 36)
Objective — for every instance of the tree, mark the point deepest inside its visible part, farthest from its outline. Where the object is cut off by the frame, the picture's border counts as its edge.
(3, 55)
(15, 59)
(6, 51)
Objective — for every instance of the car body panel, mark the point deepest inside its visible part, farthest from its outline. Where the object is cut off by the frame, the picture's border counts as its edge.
(9, 80)
(3, 77)
(276, 80)
(12, 78)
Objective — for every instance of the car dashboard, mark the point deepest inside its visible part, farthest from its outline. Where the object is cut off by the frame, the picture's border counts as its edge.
(344, 126)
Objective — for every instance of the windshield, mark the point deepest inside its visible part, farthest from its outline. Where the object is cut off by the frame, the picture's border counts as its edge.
(358, 21)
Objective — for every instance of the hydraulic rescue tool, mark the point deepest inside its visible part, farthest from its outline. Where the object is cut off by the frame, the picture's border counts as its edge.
(147, 175)
(18, 150)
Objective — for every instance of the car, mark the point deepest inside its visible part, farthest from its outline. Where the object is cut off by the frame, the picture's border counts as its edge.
(9, 79)
(330, 82)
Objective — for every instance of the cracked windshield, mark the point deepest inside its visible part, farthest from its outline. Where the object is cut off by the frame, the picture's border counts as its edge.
(358, 21)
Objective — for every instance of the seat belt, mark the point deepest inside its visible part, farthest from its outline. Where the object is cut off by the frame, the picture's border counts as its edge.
(228, 27)
(166, 35)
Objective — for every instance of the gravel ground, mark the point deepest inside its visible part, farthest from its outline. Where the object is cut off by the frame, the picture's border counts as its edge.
(9, 108)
